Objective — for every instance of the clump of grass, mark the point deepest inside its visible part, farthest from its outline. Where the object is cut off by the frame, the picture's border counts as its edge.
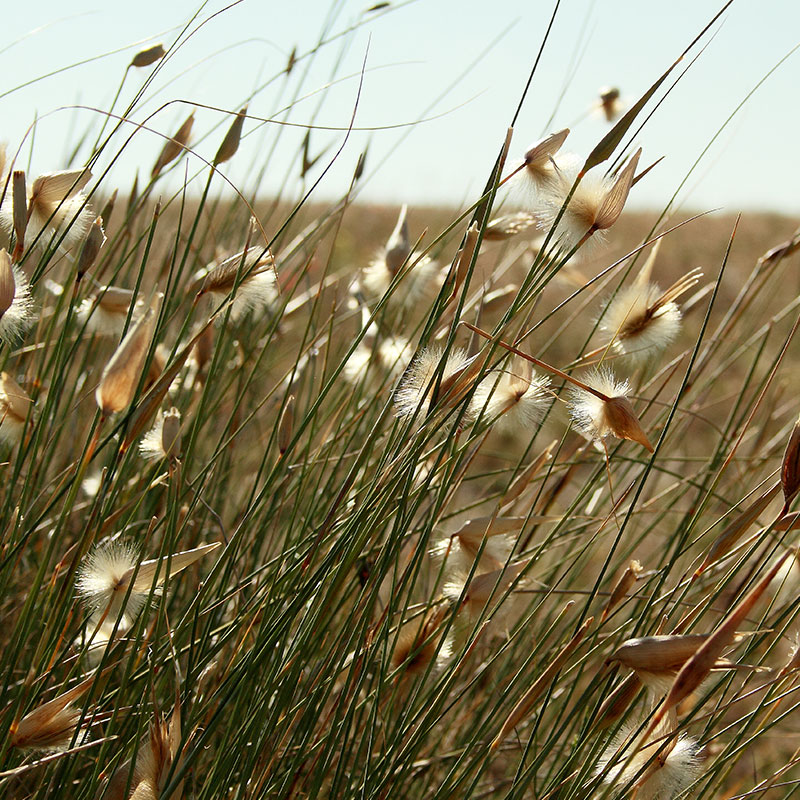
(382, 559)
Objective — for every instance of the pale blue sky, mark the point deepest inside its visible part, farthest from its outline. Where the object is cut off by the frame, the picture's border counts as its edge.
(420, 62)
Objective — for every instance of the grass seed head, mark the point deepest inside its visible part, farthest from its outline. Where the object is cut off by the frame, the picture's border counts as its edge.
(105, 311)
(112, 570)
(51, 726)
(636, 327)
(257, 288)
(148, 56)
(381, 361)
(610, 103)
(155, 758)
(175, 146)
(163, 440)
(623, 586)
(501, 228)
(230, 144)
(540, 167)
(597, 418)
(104, 578)
(595, 205)
(664, 777)
(57, 208)
(16, 303)
(92, 245)
(417, 643)
(515, 400)
(398, 248)
(124, 369)
(419, 381)
(15, 408)
(790, 467)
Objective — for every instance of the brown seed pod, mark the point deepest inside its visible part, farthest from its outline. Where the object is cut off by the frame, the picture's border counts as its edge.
(790, 467)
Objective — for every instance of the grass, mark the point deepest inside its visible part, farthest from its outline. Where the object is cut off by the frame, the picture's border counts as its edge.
(302, 588)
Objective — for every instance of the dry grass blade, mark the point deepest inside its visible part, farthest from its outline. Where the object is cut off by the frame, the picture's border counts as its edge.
(726, 540)
(521, 482)
(527, 701)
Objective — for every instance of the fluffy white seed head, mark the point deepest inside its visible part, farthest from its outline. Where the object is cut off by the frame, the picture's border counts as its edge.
(381, 361)
(515, 400)
(589, 411)
(16, 304)
(610, 104)
(104, 313)
(663, 778)
(597, 418)
(111, 569)
(163, 440)
(541, 167)
(459, 554)
(420, 379)
(104, 578)
(636, 326)
(415, 293)
(256, 291)
(595, 205)
(56, 207)
(15, 409)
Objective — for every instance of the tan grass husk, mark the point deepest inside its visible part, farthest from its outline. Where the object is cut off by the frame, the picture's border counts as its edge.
(790, 467)
(230, 144)
(19, 194)
(92, 245)
(175, 146)
(614, 201)
(520, 483)
(52, 724)
(622, 587)
(697, 668)
(15, 400)
(622, 422)
(286, 425)
(658, 653)
(123, 371)
(617, 703)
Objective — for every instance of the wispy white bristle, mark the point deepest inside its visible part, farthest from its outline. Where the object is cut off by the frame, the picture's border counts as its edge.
(419, 379)
(634, 332)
